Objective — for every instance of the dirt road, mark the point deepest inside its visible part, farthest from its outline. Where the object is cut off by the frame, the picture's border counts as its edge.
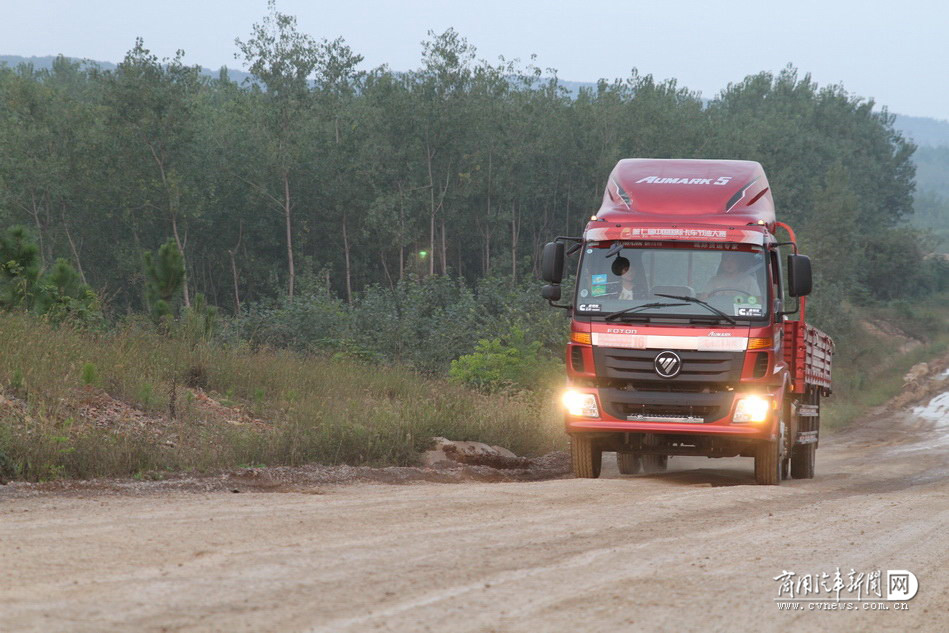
(689, 550)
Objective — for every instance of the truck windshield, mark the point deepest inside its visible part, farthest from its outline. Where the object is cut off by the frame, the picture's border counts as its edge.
(731, 278)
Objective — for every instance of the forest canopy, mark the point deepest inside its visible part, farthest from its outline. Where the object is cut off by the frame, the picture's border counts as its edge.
(317, 176)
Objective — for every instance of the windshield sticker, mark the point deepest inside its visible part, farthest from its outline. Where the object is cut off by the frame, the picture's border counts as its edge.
(598, 291)
(598, 279)
(589, 250)
(748, 310)
(752, 299)
(584, 292)
(589, 307)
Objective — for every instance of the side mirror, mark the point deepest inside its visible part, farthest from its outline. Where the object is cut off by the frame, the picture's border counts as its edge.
(551, 263)
(799, 275)
(550, 292)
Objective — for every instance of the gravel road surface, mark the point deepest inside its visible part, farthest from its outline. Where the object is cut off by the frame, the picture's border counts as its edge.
(693, 549)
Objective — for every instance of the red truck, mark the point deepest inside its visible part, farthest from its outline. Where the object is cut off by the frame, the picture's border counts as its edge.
(687, 332)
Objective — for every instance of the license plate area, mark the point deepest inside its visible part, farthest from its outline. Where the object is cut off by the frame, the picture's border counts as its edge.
(685, 419)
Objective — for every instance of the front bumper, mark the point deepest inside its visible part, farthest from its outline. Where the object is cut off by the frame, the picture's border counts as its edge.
(714, 410)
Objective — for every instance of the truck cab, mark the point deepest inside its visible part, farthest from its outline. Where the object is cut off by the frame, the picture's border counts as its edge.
(687, 333)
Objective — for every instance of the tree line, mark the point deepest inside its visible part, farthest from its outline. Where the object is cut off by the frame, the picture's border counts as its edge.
(319, 177)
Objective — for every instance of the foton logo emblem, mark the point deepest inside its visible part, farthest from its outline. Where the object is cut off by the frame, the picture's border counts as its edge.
(668, 364)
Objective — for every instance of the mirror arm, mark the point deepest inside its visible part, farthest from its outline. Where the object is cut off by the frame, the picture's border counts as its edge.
(797, 308)
(794, 244)
(565, 306)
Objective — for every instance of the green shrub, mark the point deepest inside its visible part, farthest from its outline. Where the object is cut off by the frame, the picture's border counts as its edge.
(497, 364)
(90, 375)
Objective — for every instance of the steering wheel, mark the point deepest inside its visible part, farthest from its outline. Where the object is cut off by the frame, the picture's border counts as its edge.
(729, 290)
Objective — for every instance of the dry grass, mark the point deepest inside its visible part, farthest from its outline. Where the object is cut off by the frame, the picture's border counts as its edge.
(304, 409)
(869, 370)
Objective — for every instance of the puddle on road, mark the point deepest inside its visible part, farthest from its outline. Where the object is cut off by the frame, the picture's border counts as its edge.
(936, 414)
(937, 410)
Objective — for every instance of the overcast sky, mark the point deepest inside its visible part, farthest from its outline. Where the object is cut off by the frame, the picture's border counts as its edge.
(897, 55)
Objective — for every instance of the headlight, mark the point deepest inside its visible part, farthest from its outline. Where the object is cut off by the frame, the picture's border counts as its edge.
(751, 409)
(580, 404)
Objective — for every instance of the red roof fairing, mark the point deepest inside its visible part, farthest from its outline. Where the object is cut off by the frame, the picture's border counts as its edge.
(730, 192)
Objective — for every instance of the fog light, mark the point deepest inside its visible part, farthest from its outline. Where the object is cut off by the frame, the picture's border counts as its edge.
(751, 409)
(580, 404)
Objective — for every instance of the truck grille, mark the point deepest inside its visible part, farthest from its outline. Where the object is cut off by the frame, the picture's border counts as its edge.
(629, 385)
(699, 369)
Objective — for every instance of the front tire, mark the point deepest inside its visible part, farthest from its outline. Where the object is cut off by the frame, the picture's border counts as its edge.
(628, 463)
(585, 457)
(768, 463)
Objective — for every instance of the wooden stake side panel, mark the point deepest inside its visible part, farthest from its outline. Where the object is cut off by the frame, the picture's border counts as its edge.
(809, 354)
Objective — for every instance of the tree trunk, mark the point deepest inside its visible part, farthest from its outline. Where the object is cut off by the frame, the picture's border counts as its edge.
(515, 231)
(444, 249)
(431, 223)
(385, 268)
(181, 249)
(35, 212)
(566, 215)
(233, 254)
(401, 233)
(487, 219)
(349, 286)
(72, 247)
(291, 271)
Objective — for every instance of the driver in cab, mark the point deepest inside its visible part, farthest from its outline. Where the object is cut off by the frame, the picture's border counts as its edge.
(734, 275)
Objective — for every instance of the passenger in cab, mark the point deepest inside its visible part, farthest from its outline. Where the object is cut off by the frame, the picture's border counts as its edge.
(632, 284)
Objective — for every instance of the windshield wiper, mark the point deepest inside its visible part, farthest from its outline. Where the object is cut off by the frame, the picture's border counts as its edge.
(658, 304)
(701, 303)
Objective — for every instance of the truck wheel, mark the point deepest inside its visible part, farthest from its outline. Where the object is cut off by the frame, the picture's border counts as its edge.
(585, 457)
(768, 463)
(628, 463)
(802, 461)
(655, 463)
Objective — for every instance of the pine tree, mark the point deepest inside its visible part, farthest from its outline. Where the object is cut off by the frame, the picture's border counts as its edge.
(19, 268)
(164, 276)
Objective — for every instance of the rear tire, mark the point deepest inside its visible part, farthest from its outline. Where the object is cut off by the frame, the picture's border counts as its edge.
(628, 463)
(585, 456)
(655, 463)
(768, 463)
(802, 461)
(804, 456)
